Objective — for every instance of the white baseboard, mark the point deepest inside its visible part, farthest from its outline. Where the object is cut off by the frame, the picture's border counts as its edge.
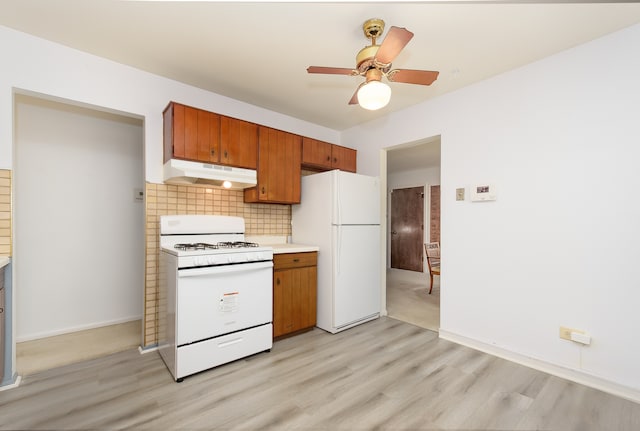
(69, 330)
(143, 350)
(13, 385)
(556, 370)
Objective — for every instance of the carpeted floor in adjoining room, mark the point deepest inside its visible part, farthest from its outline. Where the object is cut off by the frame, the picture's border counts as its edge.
(408, 298)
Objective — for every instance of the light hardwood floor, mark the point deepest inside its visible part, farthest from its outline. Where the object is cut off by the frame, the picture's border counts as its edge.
(385, 374)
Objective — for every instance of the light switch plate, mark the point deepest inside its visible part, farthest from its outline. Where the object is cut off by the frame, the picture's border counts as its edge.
(460, 194)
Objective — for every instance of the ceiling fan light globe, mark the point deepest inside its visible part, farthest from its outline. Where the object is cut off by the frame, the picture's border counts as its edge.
(374, 95)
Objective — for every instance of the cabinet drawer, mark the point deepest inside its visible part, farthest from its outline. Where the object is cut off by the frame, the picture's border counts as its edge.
(294, 260)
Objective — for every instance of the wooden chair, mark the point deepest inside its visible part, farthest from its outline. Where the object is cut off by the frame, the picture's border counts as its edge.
(432, 250)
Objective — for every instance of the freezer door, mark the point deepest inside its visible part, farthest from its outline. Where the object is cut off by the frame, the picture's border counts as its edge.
(356, 199)
(357, 273)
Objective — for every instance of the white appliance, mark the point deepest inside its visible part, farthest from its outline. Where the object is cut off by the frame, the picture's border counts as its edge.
(340, 213)
(188, 172)
(215, 296)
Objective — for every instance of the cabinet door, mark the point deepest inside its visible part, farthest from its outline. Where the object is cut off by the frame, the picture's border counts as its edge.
(316, 154)
(343, 158)
(304, 297)
(294, 300)
(208, 136)
(238, 143)
(190, 133)
(279, 168)
(183, 139)
(282, 303)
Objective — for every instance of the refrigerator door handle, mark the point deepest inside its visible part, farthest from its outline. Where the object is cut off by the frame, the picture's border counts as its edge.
(338, 248)
(337, 202)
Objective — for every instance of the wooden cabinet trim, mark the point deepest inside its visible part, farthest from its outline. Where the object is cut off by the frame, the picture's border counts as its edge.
(294, 260)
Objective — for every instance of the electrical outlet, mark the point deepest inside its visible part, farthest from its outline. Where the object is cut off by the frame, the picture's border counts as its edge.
(460, 194)
(565, 333)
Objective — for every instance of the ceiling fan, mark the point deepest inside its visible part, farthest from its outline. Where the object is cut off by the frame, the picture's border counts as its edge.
(374, 61)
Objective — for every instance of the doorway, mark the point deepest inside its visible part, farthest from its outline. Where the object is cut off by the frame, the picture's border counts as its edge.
(414, 166)
(77, 220)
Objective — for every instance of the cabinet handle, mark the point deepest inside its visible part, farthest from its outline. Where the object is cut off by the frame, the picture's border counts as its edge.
(328, 158)
(213, 152)
(335, 160)
(278, 281)
(262, 190)
(296, 260)
(225, 154)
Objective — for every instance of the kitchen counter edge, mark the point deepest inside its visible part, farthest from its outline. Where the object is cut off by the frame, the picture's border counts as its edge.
(292, 248)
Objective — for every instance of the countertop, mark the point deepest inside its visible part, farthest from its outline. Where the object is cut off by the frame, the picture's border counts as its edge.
(280, 244)
(4, 261)
(292, 248)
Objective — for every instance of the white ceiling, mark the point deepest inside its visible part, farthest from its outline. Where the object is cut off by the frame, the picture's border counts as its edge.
(258, 52)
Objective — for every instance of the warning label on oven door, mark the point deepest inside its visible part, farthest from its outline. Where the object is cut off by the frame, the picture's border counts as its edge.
(229, 302)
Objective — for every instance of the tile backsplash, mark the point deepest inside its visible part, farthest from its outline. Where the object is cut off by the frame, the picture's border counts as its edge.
(5, 212)
(166, 199)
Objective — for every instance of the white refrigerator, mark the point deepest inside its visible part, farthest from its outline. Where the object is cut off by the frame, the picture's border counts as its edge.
(340, 213)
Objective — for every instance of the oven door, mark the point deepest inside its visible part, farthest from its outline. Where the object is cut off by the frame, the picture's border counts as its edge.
(217, 300)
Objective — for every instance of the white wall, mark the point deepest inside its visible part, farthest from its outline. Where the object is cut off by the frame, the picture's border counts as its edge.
(560, 245)
(78, 232)
(35, 65)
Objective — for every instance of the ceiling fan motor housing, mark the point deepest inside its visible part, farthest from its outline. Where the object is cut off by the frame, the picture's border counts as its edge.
(364, 59)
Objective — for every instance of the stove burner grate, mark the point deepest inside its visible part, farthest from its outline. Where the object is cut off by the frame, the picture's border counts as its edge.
(206, 246)
(195, 246)
(236, 244)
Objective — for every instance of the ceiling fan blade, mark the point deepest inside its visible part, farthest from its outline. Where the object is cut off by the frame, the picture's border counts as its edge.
(354, 98)
(422, 77)
(396, 39)
(330, 70)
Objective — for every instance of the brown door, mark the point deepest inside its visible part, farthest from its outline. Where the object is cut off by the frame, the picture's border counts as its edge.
(407, 228)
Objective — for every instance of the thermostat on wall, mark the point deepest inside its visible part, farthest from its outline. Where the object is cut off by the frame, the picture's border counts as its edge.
(483, 192)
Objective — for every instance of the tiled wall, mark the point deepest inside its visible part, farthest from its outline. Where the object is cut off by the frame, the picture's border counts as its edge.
(163, 199)
(5, 212)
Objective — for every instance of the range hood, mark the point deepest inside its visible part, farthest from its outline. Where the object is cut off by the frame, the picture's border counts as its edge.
(187, 172)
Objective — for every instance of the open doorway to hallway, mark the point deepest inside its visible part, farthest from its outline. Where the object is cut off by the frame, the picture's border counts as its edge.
(78, 219)
(411, 168)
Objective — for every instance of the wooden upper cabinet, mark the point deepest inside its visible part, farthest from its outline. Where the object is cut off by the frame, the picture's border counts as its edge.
(343, 158)
(208, 137)
(279, 170)
(316, 153)
(238, 143)
(203, 136)
(181, 139)
(323, 156)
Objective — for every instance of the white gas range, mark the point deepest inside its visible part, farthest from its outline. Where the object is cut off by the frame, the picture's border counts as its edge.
(215, 293)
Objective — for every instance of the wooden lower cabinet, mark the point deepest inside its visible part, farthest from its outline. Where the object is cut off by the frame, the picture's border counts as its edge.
(295, 283)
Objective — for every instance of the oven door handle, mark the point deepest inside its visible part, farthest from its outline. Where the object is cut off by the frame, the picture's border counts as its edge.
(224, 269)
